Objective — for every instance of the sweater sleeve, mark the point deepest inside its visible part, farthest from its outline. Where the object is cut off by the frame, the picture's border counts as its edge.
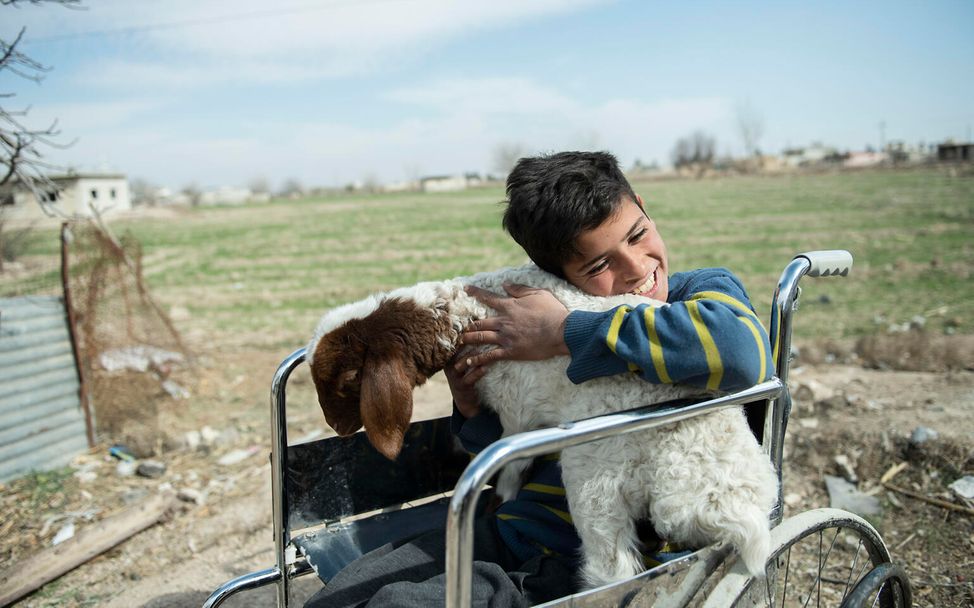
(477, 432)
(709, 337)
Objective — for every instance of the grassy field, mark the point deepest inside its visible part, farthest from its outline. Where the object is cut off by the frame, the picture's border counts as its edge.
(261, 275)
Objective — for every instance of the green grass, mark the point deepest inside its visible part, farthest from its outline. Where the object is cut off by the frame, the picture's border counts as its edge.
(265, 273)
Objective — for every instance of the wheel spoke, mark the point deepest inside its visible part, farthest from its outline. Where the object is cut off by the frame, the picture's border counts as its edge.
(852, 568)
(824, 572)
(784, 593)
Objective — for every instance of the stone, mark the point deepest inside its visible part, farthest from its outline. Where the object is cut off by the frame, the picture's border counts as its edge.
(191, 495)
(964, 487)
(845, 468)
(153, 469)
(844, 495)
(922, 435)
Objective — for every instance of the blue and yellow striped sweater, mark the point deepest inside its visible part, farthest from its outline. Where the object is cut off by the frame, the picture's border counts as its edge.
(707, 335)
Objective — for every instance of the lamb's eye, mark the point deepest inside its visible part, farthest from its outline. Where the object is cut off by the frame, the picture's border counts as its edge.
(346, 379)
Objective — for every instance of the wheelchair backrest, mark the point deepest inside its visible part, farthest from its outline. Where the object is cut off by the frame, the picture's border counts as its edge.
(338, 477)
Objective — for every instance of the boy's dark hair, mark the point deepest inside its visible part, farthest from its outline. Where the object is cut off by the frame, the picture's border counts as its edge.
(551, 199)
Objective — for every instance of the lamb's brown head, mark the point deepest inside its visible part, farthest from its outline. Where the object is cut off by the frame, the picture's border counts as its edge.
(365, 369)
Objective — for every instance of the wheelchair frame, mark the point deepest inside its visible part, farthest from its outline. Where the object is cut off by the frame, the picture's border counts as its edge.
(709, 576)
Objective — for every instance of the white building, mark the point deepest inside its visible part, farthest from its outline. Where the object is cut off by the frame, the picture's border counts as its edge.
(72, 195)
(450, 183)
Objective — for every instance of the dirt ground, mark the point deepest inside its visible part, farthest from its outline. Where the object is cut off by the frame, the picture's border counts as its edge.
(222, 526)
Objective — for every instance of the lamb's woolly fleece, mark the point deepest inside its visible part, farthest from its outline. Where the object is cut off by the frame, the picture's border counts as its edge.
(701, 481)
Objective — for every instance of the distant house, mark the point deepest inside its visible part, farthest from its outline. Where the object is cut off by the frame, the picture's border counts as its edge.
(954, 152)
(859, 160)
(73, 194)
(812, 155)
(450, 183)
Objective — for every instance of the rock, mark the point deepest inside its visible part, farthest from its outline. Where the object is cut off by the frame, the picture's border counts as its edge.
(126, 468)
(845, 468)
(809, 392)
(66, 532)
(191, 495)
(192, 440)
(134, 496)
(793, 500)
(136, 358)
(237, 456)
(153, 469)
(922, 435)
(85, 476)
(808, 423)
(208, 435)
(175, 390)
(844, 495)
(964, 487)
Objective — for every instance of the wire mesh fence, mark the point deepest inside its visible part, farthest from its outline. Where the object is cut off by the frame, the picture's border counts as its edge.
(126, 345)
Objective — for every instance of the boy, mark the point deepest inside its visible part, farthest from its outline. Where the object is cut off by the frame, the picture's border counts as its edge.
(577, 217)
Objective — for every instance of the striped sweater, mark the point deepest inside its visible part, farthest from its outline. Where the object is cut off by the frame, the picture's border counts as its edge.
(707, 335)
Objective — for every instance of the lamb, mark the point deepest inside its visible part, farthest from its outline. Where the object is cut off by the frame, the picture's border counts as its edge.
(700, 481)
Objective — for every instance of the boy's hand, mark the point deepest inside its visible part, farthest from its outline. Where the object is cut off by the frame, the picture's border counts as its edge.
(462, 383)
(529, 326)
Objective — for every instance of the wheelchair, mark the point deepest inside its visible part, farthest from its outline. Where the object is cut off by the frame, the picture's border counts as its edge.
(336, 498)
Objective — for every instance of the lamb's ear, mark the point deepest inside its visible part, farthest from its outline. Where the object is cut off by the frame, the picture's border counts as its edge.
(386, 403)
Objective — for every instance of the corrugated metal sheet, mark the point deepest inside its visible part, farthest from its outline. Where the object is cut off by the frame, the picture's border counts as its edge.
(42, 425)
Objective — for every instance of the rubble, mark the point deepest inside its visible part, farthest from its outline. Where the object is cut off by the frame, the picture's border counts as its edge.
(844, 495)
(152, 469)
(964, 487)
(922, 435)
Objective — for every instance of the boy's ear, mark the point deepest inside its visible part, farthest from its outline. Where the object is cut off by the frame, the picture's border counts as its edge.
(639, 201)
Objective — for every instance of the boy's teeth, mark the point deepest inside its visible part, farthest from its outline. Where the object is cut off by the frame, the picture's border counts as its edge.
(645, 286)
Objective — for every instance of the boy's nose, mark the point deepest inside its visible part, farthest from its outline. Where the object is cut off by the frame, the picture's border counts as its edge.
(633, 268)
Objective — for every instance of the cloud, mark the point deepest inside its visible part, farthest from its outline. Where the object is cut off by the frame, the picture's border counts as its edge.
(187, 42)
(460, 125)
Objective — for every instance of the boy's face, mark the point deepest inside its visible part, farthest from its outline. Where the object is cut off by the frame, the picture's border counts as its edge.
(624, 254)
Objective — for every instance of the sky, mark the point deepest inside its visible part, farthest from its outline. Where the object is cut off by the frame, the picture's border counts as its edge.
(223, 93)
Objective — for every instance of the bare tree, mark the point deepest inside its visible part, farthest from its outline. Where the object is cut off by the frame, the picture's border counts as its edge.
(291, 188)
(193, 193)
(750, 125)
(260, 185)
(695, 151)
(505, 156)
(22, 146)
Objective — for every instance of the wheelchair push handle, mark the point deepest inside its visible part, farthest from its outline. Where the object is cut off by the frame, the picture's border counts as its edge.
(828, 263)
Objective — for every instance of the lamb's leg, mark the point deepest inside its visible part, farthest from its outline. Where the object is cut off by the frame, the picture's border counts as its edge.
(510, 479)
(605, 526)
(716, 485)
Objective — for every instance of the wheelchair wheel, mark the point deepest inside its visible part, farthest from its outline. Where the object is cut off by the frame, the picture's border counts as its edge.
(823, 557)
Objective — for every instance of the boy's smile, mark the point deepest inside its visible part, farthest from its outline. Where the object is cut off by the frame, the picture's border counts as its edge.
(624, 254)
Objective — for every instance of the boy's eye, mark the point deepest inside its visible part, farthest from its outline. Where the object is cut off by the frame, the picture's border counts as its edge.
(602, 265)
(635, 238)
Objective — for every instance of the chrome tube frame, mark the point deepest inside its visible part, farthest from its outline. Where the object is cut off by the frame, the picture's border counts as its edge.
(279, 508)
(242, 583)
(459, 522)
(783, 306)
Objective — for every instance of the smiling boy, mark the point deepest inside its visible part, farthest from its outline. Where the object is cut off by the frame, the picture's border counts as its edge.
(577, 217)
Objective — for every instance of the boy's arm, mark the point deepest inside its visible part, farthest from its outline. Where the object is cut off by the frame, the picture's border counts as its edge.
(710, 338)
(477, 432)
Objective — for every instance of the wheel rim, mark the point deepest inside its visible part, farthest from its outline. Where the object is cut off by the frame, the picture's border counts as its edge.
(820, 558)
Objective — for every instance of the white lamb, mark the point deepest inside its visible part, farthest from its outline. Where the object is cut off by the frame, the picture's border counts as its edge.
(700, 481)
